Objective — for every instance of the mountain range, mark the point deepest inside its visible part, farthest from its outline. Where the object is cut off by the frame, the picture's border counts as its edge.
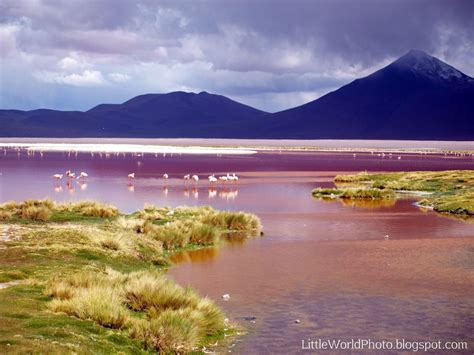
(415, 97)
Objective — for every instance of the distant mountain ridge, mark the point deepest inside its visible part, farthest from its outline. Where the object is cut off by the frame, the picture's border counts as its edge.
(175, 114)
(415, 97)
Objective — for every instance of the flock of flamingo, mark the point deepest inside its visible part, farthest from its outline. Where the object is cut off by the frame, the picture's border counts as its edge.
(212, 178)
(69, 174)
(224, 193)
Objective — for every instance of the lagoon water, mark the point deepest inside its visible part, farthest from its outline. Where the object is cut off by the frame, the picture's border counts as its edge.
(324, 263)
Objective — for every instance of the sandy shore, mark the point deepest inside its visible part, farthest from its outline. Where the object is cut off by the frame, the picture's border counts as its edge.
(124, 148)
(230, 146)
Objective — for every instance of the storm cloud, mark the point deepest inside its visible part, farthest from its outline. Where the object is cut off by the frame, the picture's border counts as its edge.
(270, 54)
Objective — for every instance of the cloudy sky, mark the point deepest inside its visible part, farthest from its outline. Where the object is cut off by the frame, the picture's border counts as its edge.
(272, 55)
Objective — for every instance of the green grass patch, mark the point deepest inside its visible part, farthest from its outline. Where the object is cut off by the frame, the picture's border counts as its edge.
(92, 278)
(449, 191)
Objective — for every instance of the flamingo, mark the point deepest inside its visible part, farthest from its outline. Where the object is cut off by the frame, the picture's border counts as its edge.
(186, 177)
(223, 178)
(58, 176)
(131, 176)
(165, 176)
(195, 178)
(212, 178)
(82, 175)
(236, 178)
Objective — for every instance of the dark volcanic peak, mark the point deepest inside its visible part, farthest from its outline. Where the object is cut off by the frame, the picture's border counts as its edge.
(415, 97)
(423, 65)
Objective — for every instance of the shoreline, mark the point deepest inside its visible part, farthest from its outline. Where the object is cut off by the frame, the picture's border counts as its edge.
(124, 148)
(233, 146)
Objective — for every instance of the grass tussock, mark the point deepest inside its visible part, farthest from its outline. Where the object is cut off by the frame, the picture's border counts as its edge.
(189, 225)
(91, 209)
(5, 215)
(450, 191)
(35, 213)
(46, 210)
(171, 235)
(232, 220)
(34, 210)
(203, 234)
(99, 304)
(164, 316)
(147, 292)
(169, 332)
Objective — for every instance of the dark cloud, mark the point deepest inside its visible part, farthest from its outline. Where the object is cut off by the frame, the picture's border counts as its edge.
(252, 50)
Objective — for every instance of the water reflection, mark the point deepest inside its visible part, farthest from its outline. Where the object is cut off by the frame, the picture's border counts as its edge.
(186, 192)
(195, 256)
(368, 204)
(234, 238)
(227, 194)
(131, 187)
(70, 187)
(212, 192)
(231, 239)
